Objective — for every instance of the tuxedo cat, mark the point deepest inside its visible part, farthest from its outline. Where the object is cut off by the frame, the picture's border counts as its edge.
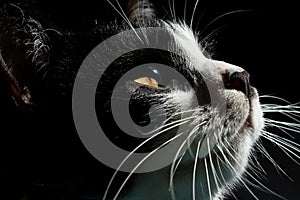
(40, 62)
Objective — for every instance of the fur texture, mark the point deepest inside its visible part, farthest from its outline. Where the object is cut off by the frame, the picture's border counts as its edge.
(45, 61)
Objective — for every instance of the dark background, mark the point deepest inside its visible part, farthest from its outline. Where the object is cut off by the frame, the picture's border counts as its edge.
(261, 37)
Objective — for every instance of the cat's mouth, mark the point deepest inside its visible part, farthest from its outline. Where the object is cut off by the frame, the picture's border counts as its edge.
(249, 121)
(252, 95)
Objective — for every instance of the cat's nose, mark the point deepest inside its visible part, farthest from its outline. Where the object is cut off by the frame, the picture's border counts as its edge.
(238, 81)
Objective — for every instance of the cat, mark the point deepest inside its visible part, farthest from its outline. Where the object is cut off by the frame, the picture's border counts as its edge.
(39, 66)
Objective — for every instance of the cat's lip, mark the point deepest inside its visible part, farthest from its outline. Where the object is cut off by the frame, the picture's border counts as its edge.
(249, 121)
(253, 94)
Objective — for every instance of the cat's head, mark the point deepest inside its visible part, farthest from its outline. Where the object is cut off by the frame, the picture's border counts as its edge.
(206, 109)
(213, 113)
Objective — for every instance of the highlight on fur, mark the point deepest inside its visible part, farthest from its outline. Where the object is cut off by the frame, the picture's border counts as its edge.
(231, 163)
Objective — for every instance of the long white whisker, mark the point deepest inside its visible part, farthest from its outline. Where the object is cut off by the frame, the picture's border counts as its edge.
(223, 15)
(262, 185)
(294, 125)
(179, 113)
(207, 179)
(139, 146)
(283, 148)
(174, 11)
(292, 114)
(193, 14)
(287, 108)
(282, 142)
(191, 140)
(217, 30)
(262, 150)
(282, 138)
(284, 125)
(171, 123)
(123, 12)
(215, 176)
(141, 162)
(194, 171)
(173, 168)
(219, 167)
(230, 165)
(267, 124)
(171, 11)
(184, 11)
(257, 167)
(221, 173)
(274, 97)
(125, 18)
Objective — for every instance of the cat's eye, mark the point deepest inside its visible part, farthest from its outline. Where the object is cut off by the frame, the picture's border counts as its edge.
(146, 81)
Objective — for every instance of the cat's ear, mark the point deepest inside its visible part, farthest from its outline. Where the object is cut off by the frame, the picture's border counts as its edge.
(140, 10)
(11, 94)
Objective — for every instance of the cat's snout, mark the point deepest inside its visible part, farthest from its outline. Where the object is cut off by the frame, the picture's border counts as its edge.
(238, 81)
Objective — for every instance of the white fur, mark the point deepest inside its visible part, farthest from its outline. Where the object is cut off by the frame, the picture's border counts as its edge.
(234, 129)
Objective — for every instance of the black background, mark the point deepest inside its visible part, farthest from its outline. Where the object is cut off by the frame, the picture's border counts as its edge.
(261, 37)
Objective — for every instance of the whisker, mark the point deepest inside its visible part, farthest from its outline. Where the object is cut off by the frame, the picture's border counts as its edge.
(217, 30)
(184, 10)
(255, 166)
(139, 146)
(283, 148)
(221, 16)
(215, 176)
(171, 11)
(289, 124)
(178, 162)
(125, 18)
(191, 140)
(292, 114)
(173, 168)
(141, 162)
(194, 171)
(174, 10)
(249, 174)
(171, 123)
(287, 107)
(265, 153)
(221, 174)
(230, 165)
(219, 167)
(282, 138)
(283, 126)
(198, 21)
(283, 143)
(267, 124)
(193, 14)
(207, 178)
(274, 97)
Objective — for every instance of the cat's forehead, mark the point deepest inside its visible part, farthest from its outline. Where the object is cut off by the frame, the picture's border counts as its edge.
(190, 45)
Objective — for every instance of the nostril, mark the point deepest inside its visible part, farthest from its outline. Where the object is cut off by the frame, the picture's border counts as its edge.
(239, 81)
